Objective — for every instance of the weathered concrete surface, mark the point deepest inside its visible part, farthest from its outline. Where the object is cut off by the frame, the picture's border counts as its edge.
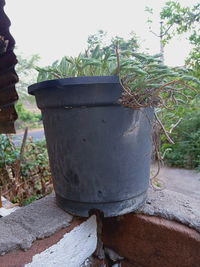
(5, 212)
(37, 220)
(43, 218)
(178, 180)
(173, 206)
(72, 250)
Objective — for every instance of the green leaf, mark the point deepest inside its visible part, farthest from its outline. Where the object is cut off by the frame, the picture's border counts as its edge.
(190, 78)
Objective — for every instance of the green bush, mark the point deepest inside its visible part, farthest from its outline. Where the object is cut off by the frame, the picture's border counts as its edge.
(25, 115)
(8, 155)
(24, 176)
(185, 153)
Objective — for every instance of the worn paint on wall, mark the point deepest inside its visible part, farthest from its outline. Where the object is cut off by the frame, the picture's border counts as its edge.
(72, 250)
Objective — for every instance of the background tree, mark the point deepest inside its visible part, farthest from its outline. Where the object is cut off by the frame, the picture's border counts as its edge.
(27, 75)
(28, 114)
(181, 20)
(178, 20)
(159, 34)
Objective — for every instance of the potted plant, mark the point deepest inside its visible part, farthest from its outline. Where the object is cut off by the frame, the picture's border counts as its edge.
(98, 110)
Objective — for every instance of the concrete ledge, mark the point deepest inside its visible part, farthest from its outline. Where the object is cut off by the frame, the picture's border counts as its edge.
(35, 221)
(167, 223)
(173, 206)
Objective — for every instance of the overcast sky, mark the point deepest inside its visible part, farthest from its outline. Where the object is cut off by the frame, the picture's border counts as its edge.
(54, 28)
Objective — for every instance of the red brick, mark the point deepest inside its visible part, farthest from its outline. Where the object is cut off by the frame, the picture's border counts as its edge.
(149, 241)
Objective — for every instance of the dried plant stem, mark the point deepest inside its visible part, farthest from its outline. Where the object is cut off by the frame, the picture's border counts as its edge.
(164, 130)
(164, 85)
(127, 91)
(10, 141)
(21, 184)
(99, 252)
(55, 75)
(191, 87)
(18, 162)
(118, 58)
(153, 179)
(175, 125)
(1, 204)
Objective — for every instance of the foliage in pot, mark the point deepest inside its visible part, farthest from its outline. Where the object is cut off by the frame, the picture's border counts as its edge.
(146, 81)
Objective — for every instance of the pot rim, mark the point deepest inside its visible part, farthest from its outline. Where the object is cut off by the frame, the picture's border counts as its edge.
(60, 83)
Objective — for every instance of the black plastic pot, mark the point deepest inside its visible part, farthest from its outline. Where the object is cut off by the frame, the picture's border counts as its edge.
(99, 151)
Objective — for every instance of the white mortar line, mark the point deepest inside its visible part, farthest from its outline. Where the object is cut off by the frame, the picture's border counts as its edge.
(72, 250)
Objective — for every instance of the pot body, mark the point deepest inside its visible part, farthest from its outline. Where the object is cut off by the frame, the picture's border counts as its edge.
(99, 151)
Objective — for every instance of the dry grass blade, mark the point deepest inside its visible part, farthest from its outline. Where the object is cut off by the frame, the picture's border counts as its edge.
(1, 204)
(175, 125)
(18, 162)
(164, 130)
(118, 58)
